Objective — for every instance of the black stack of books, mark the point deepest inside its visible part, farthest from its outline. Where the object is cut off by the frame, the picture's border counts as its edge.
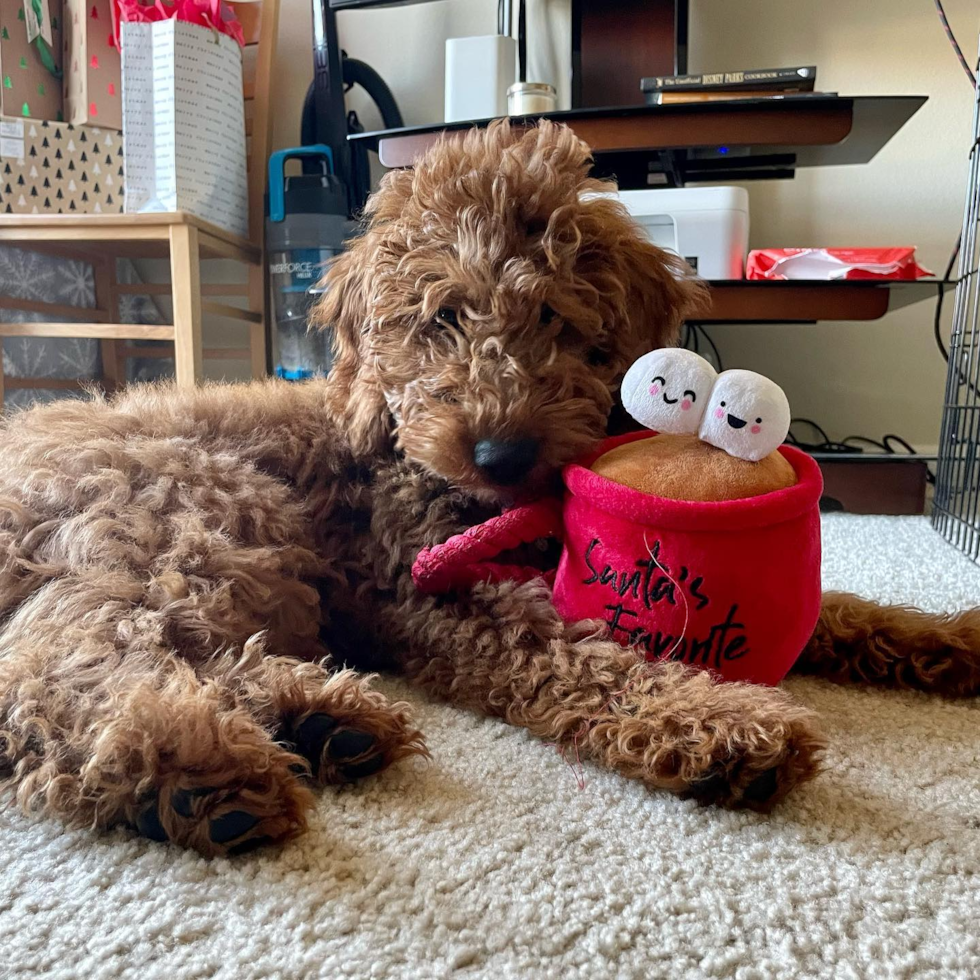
(719, 86)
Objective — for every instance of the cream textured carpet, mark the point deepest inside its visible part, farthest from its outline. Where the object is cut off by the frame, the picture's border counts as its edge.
(489, 862)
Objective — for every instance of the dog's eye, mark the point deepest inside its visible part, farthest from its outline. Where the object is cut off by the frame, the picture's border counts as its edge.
(547, 314)
(598, 357)
(446, 317)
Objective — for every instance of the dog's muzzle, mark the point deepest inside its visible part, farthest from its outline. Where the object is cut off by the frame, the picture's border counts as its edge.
(505, 462)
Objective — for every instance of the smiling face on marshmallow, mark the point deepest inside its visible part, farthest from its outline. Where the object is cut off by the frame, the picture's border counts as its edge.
(667, 390)
(746, 414)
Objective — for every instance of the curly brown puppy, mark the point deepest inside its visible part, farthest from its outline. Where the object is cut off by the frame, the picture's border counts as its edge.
(177, 565)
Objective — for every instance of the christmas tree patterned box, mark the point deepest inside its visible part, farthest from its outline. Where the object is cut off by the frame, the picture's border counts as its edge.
(57, 168)
(30, 70)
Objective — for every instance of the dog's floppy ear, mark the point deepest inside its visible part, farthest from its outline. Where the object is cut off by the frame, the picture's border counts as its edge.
(661, 293)
(354, 394)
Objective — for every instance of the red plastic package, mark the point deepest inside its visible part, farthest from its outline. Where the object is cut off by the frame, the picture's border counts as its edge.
(833, 263)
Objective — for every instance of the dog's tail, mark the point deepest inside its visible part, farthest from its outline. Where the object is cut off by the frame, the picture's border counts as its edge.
(857, 640)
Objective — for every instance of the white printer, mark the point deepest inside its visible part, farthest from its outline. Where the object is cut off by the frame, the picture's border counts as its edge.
(707, 226)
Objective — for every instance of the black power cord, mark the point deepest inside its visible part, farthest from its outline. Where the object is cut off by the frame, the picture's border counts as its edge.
(692, 341)
(887, 444)
(952, 40)
(937, 325)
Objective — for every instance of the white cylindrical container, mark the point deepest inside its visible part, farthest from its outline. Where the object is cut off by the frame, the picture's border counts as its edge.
(478, 73)
(531, 99)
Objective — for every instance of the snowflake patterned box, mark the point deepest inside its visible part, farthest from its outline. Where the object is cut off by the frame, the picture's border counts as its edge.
(93, 68)
(57, 168)
(30, 67)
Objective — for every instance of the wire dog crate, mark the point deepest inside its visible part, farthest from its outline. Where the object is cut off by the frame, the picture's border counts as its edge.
(956, 506)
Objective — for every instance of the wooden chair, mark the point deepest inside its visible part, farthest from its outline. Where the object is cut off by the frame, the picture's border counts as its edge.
(103, 239)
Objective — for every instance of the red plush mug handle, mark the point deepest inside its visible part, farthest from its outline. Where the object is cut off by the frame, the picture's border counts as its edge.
(464, 560)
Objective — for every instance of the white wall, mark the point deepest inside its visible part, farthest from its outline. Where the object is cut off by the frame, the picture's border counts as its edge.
(887, 375)
(870, 378)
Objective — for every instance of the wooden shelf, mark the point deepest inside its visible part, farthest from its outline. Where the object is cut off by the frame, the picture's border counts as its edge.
(742, 139)
(366, 4)
(802, 301)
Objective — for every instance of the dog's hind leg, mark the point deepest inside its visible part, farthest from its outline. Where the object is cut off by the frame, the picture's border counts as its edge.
(507, 653)
(857, 640)
(101, 725)
(334, 720)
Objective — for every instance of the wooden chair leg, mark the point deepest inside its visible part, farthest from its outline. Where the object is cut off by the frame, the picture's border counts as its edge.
(257, 336)
(185, 284)
(106, 298)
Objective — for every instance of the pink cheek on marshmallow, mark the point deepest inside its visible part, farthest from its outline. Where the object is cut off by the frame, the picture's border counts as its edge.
(719, 414)
(686, 405)
(756, 429)
(654, 389)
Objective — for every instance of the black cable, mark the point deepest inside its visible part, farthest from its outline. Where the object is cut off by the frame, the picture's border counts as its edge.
(937, 326)
(825, 445)
(886, 445)
(522, 41)
(713, 345)
(357, 72)
(889, 439)
(952, 40)
(693, 332)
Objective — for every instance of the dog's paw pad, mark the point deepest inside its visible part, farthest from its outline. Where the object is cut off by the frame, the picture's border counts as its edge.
(709, 789)
(736, 788)
(230, 826)
(310, 735)
(358, 770)
(191, 806)
(252, 844)
(335, 754)
(182, 800)
(763, 787)
(349, 744)
(148, 823)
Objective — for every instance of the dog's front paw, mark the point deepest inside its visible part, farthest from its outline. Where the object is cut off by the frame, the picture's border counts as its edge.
(756, 765)
(226, 813)
(737, 745)
(348, 731)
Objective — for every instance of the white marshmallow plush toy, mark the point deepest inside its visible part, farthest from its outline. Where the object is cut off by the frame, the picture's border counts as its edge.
(746, 414)
(667, 390)
(678, 392)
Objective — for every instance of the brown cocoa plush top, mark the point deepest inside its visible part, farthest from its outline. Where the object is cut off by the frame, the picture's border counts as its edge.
(684, 468)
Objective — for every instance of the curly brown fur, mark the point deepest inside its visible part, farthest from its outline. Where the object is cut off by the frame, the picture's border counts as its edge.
(899, 646)
(176, 566)
(158, 582)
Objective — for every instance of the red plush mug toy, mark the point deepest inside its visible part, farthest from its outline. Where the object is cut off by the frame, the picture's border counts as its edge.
(698, 542)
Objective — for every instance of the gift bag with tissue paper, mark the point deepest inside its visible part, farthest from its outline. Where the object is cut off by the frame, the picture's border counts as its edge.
(184, 111)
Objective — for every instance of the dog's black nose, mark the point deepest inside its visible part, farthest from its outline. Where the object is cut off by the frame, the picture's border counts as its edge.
(506, 461)
(735, 422)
